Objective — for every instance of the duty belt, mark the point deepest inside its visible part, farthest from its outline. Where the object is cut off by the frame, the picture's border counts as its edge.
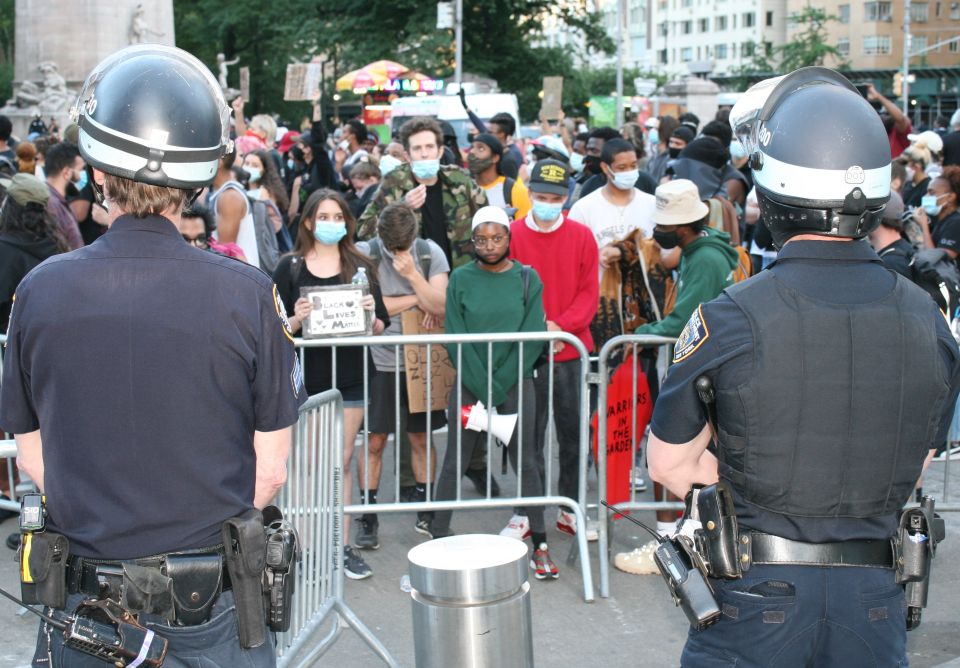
(763, 548)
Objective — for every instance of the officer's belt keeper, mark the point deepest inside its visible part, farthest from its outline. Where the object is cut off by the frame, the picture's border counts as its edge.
(245, 552)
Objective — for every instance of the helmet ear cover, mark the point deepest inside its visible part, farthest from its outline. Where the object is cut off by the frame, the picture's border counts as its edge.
(853, 221)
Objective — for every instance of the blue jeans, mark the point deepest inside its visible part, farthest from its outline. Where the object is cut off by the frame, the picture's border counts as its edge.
(211, 645)
(786, 616)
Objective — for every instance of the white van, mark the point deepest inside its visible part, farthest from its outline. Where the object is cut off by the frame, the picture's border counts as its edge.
(448, 108)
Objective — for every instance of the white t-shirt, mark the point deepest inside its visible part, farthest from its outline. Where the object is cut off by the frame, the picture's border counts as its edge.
(247, 234)
(609, 222)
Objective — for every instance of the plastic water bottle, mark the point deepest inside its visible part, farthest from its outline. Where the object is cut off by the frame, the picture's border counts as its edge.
(361, 280)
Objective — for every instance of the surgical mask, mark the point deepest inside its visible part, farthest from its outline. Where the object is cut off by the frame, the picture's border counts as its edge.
(911, 172)
(425, 169)
(929, 204)
(654, 136)
(344, 145)
(625, 180)
(290, 164)
(576, 162)
(329, 234)
(666, 239)
(254, 173)
(387, 164)
(674, 153)
(478, 165)
(546, 212)
(81, 183)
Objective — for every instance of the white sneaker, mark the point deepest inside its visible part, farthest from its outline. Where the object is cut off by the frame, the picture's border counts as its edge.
(637, 480)
(566, 522)
(518, 527)
(639, 561)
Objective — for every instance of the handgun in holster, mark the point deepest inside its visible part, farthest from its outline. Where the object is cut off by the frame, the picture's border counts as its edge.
(717, 540)
(279, 575)
(245, 553)
(915, 546)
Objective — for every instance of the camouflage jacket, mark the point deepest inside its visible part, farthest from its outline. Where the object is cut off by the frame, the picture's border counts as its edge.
(461, 199)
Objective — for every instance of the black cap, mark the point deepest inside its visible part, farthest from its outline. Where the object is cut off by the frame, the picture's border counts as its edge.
(492, 142)
(549, 176)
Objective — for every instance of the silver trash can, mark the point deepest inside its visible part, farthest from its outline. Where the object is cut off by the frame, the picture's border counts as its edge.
(471, 603)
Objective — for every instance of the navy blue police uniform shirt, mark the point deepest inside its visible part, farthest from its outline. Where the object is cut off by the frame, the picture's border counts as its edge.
(147, 364)
(718, 342)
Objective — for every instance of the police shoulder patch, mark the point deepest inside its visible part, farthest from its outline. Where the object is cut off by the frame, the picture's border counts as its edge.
(282, 314)
(694, 333)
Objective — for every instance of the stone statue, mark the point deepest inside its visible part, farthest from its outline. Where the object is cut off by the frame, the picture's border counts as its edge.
(140, 31)
(223, 64)
(49, 95)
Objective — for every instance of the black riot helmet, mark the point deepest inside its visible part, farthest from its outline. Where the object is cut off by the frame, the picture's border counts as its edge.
(819, 153)
(153, 114)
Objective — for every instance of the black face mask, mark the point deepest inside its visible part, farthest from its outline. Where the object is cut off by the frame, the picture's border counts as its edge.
(591, 164)
(666, 240)
(492, 263)
(674, 153)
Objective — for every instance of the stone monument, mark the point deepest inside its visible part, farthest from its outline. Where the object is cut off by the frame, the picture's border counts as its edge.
(696, 95)
(58, 43)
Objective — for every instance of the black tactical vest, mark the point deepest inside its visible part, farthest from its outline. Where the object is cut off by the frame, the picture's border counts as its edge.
(843, 403)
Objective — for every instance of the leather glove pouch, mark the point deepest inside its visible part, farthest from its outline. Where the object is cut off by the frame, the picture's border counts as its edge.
(147, 590)
(43, 578)
(197, 579)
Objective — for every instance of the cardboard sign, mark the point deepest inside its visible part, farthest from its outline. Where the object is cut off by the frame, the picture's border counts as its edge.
(303, 81)
(337, 311)
(552, 97)
(442, 374)
(245, 83)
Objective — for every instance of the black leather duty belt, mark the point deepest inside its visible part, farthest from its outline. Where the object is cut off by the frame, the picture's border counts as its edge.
(87, 575)
(762, 548)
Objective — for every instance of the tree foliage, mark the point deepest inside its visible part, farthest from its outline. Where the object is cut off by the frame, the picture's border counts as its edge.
(7, 14)
(810, 45)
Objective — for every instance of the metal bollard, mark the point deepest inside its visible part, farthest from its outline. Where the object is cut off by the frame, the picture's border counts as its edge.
(471, 603)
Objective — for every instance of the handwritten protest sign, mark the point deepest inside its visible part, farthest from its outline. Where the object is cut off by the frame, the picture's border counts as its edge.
(552, 103)
(303, 81)
(442, 374)
(245, 83)
(337, 311)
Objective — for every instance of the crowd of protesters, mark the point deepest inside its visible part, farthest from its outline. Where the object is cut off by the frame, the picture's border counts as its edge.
(594, 232)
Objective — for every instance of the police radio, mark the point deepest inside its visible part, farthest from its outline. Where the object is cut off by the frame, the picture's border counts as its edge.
(683, 571)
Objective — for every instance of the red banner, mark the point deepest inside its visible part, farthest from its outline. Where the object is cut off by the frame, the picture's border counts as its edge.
(620, 426)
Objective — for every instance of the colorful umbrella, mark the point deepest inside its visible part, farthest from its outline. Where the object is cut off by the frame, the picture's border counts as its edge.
(375, 74)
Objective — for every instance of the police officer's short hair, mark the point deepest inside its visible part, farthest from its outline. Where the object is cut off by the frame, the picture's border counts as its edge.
(397, 227)
(60, 155)
(419, 124)
(141, 200)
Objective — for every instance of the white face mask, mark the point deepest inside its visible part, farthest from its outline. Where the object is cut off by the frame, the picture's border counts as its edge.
(625, 180)
(344, 145)
(911, 172)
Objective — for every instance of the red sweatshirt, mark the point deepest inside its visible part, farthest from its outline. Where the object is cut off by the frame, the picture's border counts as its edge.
(566, 261)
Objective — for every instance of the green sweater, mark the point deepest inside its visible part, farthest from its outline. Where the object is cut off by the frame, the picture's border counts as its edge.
(480, 301)
(706, 268)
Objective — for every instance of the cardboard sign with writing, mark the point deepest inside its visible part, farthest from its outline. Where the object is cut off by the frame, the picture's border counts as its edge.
(442, 374)
(303, 81)
(552, 97)
(245, 83)
(337, 311)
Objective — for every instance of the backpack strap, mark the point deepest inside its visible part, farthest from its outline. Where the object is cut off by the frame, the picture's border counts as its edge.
(508, 184)
(525, 279)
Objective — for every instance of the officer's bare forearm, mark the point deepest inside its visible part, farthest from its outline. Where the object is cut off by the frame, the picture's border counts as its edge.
(272, 449)
(677, 466)
(30, 456)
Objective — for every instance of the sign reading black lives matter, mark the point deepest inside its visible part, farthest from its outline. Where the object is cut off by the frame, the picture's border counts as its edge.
(337, 311)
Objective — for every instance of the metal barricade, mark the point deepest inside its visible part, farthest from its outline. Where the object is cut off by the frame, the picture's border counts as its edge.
(454, 431)
(312, 500)
(604, 369)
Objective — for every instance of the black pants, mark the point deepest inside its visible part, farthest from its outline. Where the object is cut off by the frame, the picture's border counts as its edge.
(566, 418)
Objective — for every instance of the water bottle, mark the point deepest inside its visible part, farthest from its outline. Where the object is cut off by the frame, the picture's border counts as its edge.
(361, 280)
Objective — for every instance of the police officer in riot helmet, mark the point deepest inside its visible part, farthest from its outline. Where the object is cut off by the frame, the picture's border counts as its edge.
(806, 398)
(151, 386)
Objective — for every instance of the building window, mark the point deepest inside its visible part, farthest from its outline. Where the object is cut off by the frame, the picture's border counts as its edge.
(768, 49)
(747, 49)
(919, 11)
(720, 51)
(686, 27)
(662, 29)
(876, 45)
(703, 25)
(954, 11)
(662, 56)
(720, 23)
(749, 19)
(687, 3)
(686, 54)
(843, 11)
(734, 18)
(843, 46)
(769, 19)
(917, 43)
(878, 11)
(954, 46)
(733, 50)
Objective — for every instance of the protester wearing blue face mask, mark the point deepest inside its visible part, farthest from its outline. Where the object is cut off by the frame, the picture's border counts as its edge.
(938, 212)
(326, 255)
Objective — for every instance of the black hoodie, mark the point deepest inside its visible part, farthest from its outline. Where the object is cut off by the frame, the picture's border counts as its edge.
(18, 255)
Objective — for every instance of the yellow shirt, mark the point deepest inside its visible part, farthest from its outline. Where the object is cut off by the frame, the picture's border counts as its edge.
(519, 197)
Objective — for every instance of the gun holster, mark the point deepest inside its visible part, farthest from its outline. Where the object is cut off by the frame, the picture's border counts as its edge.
(245, 553)
(717, 540)
(43, 568)
(915, 545)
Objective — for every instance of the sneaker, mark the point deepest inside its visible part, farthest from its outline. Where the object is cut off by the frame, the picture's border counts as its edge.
(639, 561)
(542, 566)
(423, 524)
(593, 530)
(639, 484)
(354, 567)
(518, 527)
(566, 522)
(479, 479)
(366, 536)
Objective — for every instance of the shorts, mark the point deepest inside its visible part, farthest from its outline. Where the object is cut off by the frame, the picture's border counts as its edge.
(352, 396)
(381, 417)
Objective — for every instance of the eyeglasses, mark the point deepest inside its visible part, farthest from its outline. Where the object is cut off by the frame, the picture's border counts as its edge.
(200, 241)
(483, 242)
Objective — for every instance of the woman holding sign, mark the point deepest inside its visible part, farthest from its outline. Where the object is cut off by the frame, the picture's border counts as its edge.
(325, 255)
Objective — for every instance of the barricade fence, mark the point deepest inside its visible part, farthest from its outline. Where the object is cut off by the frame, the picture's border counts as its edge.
(623, 350)
(427, 349)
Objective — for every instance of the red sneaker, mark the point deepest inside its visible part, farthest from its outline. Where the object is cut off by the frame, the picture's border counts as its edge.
(542, 566)
(566, 522)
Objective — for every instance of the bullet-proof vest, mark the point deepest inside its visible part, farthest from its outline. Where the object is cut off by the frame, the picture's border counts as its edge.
(843, 403)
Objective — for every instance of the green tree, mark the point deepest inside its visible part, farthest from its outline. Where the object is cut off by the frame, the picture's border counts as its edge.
(7, 14)
(810, 45)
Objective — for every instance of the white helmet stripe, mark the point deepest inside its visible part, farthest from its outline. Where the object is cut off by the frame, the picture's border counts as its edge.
(821, 184)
